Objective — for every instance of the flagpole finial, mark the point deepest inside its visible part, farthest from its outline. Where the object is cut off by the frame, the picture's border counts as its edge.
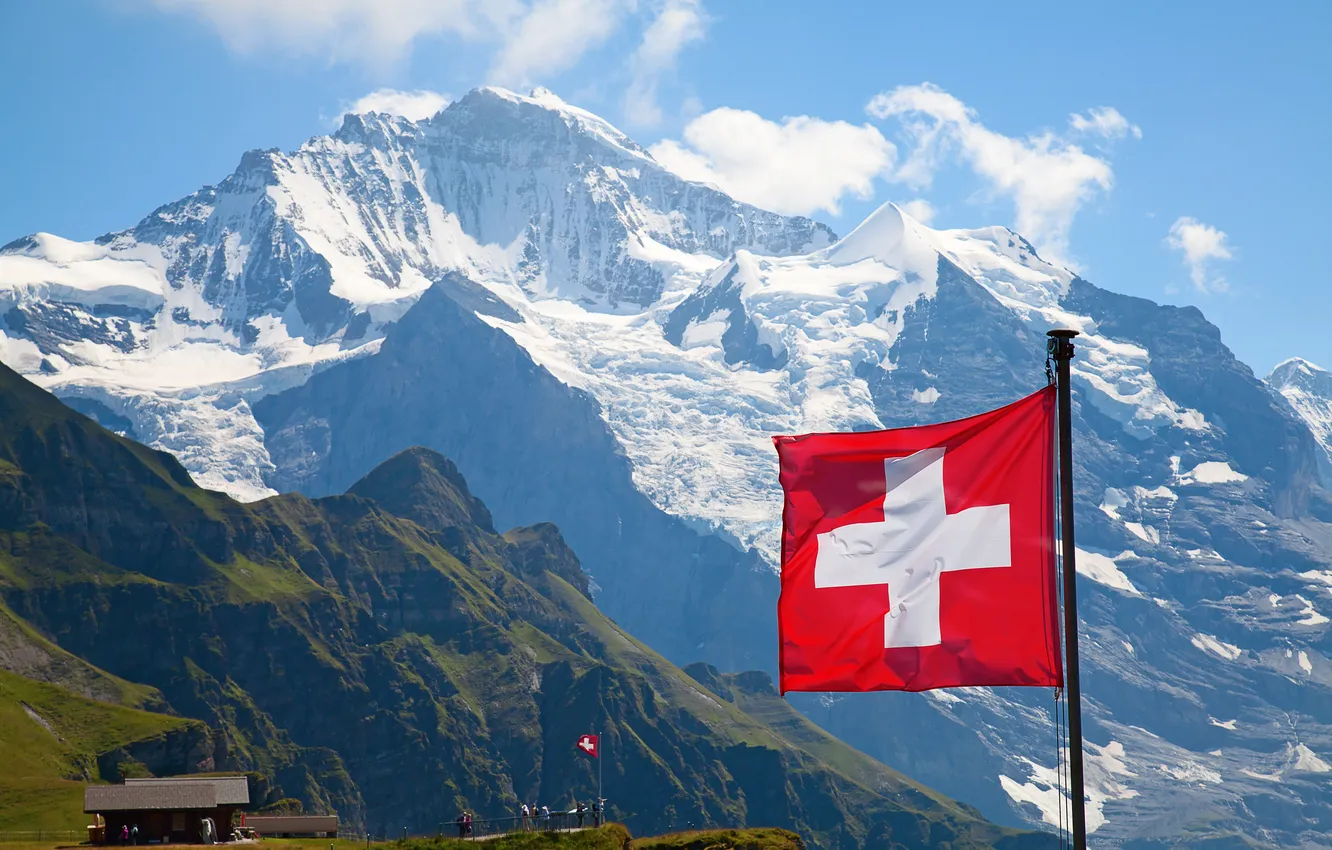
(1060, 345)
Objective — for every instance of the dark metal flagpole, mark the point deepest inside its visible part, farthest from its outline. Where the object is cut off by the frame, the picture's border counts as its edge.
(1061, 351)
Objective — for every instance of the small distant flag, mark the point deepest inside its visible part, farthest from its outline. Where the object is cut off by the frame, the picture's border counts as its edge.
(589, 745)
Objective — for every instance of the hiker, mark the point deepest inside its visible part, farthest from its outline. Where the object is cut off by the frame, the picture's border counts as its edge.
(461, 820)
(134, 834)
(581, 811)
(596, 813)
(124, 834)
(545, 815)
(522, 814)
(467, 822)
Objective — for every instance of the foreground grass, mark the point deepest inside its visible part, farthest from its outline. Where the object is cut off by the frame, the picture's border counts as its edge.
(612, 836)
(723, 839)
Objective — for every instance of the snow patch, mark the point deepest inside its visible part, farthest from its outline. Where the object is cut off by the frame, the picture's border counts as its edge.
(1105, 767)
(1312, 616)
(929, 395)
(1145, 533)
(1112, 501)
(1228, 725)
(1228, 651)
(1102, 569)
(1307, 761)
(1213, 472)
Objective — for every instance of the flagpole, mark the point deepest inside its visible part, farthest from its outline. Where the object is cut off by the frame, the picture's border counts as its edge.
(1061, 351)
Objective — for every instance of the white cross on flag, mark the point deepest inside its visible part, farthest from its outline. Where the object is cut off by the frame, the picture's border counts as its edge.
(587, 745)
(921, 558)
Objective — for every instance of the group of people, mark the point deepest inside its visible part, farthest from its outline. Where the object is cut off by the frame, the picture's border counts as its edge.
(129, 834)
(534, 817)
(531, 815)
(464, 822)
(596, 809)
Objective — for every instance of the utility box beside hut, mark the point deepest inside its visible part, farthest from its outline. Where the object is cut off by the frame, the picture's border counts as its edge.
(167, 810)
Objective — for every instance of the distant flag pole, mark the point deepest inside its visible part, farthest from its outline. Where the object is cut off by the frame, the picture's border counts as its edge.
(1060, 349)
(590, 746)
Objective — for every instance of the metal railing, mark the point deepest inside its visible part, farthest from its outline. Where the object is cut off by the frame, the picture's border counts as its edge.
(481, 829)
(77, 836)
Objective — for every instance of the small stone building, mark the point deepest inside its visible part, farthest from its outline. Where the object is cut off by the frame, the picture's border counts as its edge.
(168, 809)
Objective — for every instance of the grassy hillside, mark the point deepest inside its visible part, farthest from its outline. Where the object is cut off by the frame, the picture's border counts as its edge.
(388, 655)
(722, 839)
(50, 743)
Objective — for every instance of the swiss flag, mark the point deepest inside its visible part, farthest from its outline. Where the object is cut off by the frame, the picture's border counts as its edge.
(921, 558)
(587, 745)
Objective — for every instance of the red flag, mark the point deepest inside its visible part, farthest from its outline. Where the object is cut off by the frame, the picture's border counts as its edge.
(921, 558)
(587, 745)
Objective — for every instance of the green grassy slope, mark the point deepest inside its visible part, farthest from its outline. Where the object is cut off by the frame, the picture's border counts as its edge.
(386, 654)
(50, 741)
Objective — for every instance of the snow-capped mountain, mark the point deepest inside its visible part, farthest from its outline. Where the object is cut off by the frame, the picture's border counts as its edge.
(600, 343)
(298, 260)
(1308, 388)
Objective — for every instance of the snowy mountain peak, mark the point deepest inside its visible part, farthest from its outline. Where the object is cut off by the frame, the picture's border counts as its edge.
(1308, 388)
(370, 127)
(889, 236)
(503, 112)
(1298, 371)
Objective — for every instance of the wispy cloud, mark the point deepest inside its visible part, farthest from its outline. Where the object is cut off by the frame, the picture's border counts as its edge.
(1104, 121)
(530, 41)
(919, 209)
(1202, 245)
(377, 31)
(415, 105)
(678, 24)
(552, 35)
(1047, 177)
(796, 166)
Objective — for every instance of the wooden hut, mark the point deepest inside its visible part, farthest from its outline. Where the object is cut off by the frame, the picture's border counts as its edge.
(170, 810)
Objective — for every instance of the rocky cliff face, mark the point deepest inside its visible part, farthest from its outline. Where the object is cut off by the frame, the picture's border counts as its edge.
(396, 669)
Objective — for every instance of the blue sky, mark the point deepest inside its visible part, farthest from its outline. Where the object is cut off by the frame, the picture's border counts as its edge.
(1195, 172)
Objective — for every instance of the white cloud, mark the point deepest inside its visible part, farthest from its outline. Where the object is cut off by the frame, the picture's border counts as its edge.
(1104, 121)
(797, 166)
(413, 105)
(530, 40)
(679, 23)
(345, 30)
(1047, 177)
(1201, 245)
(552, 36)
(919, 209)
